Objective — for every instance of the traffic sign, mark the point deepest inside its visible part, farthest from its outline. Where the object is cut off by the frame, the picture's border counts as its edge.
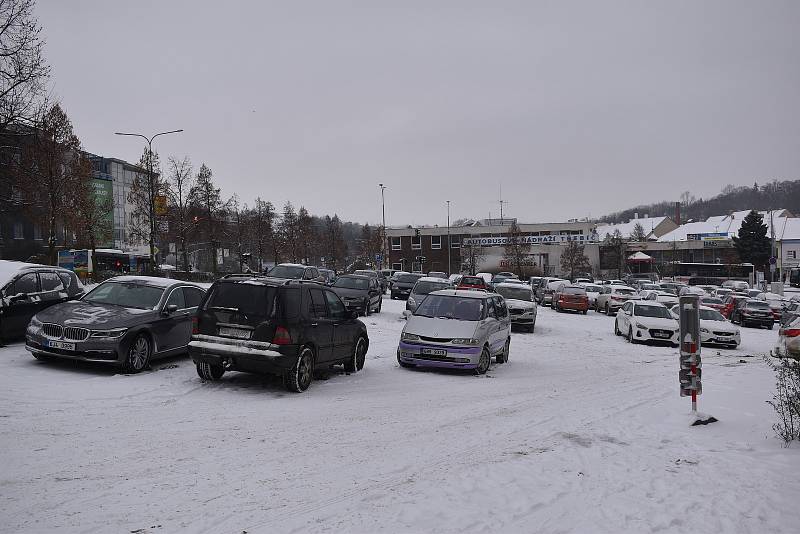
(773, 260)
(378, 258)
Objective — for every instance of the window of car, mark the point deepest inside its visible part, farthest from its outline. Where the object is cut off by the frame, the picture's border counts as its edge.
(425, 288)
(627, 307)
(710, 300)
(407, 278)
(757, 305)
(126, 294)
(453, 307)
(316, 304)
(24, 284)
(623, 291)
(192, 296)
(652, 311)
(336, 309)
(572, 290)
(287, 271)
(50, 281)
(711, 315)
(253, 300)
(176, 298)
(516, 293)
(347, 282)
(66, 279)
(500, 307)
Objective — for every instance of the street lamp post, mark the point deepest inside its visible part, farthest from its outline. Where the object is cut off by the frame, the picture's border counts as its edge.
(449, 248)
(384, 248)
(151, 193)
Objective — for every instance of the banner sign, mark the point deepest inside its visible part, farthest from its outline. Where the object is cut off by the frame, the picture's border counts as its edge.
(66, 259)
(527, 240)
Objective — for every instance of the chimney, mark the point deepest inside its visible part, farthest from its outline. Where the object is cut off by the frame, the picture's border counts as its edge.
(678, 213)
(636, 215)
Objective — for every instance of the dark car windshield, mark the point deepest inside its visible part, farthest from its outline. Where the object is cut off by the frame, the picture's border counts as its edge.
(472, 281)
(593, 289)
(351, 283)
(423, 288)
(407, 278)
(450, 307)
(707, 301)
(287, 271)
(516, 293)
(622, 291)
(251, 299)
(126, 294)
(652, 311)
(757, 305)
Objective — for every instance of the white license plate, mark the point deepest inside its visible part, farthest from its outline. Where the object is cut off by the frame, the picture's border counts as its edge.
(238, 333)
(434, 352)
(59, 345)
(660, 334)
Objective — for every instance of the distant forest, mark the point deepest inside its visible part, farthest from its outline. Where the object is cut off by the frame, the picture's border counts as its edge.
(772, 195)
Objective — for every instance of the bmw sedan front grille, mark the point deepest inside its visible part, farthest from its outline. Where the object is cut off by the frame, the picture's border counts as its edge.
(53, 330)
(73, 333)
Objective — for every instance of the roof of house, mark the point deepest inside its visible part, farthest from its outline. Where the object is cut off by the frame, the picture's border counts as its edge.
(648, 223)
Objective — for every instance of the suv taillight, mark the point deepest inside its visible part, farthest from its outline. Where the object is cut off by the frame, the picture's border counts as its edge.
(195, 327)
(281, 336)
(791, 332)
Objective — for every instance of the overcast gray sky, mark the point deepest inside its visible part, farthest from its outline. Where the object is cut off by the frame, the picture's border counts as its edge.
(576, 108)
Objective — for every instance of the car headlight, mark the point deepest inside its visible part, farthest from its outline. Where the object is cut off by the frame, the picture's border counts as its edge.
(405, 336)
(108, 334)
(704, 330)
(465, 341)
(640, 327)
(35, 322)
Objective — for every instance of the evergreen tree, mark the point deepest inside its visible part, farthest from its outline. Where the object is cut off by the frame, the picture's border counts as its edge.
(638, 234)
(289, 232)
(208, 200)
(752, 243)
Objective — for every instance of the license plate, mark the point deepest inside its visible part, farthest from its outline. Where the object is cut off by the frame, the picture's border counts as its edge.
(434, 352)
(238, 333)
(660, 334)
(59, 345)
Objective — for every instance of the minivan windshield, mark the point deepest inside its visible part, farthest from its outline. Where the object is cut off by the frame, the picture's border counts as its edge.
(347, 282)
(516, 293)
(451, 307)
(653, 311)
(126, 294)
(423, 288)
(294, 272)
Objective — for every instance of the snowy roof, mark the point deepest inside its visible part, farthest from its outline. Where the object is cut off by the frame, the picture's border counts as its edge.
(640, 256)
(730, 224)
(648, 223)
(150, 280)
(790, 230)
(9, 268)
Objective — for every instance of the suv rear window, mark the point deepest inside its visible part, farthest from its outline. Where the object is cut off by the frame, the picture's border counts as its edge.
(250, 299)
(573, 291)
(408, 278)
(473, 281)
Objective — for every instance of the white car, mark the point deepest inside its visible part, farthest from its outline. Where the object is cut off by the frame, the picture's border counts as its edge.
(613, 297)
(789, 339)
(692, 290)
(736, 285)
(456, 329)
(641, 321)
(592, 290)
(613, 282)
(664, 297)
(520, 302)
(722, 292)
(714, 328)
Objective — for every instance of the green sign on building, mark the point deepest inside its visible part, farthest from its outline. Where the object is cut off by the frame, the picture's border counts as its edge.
(104, 194)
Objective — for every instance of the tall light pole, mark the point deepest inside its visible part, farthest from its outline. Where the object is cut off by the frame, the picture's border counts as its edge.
(449, 248)
(384, 248)
(151, 190)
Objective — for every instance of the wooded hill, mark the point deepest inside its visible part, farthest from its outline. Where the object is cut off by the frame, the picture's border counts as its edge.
(772, 195)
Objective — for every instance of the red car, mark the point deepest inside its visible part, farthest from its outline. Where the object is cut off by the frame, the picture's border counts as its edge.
(472, 282)
(568, 297)
(729, 303)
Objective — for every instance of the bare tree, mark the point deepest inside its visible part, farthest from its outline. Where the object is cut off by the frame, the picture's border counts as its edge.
(516, 249)
(306, 236)
(146, 187)
(333, 243)
(262, 219)
(179, 188)
(23, 70)
(289, 232)
(574, 260)
(92, 209)
(472, 256)
(241, 219)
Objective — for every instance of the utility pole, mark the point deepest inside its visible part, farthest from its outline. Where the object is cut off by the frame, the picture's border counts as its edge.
(151, 193)
(772, 251)
(384, 248)
(449, 271)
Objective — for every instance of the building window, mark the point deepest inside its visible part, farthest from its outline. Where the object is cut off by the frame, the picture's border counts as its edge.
(436, 242)
(455, 242)
(37, 232)
(397, 266)
(19, 232)
(416, 242)
(396, 243)
(791, 254)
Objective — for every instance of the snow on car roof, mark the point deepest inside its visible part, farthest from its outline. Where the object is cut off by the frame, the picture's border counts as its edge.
(443, 281)
(292, 265)
(648, 303)
(149, 280)
(512, 285)
(9, 268)
(467, 293)
(620, 286)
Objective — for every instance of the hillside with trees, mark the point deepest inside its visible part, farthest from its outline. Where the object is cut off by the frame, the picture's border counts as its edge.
(771, 195)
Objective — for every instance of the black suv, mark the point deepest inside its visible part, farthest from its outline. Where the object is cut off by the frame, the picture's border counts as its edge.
(265, 325)
(26, 289)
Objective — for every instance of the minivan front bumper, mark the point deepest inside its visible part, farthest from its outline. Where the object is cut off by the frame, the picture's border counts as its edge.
(456, 357)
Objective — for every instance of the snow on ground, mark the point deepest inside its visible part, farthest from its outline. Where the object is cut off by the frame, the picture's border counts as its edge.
(580, 432)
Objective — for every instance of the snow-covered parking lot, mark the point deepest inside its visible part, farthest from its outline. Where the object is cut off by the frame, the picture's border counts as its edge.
(579, 432)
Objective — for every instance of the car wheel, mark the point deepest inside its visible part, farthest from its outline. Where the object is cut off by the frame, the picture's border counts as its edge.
(366, 308)
(503, 356)
(380, 305)
(299, 377)
(532, 327)
(483, 362)
(770, 325)
(356, 361)
(608, 310)
(208, 371)
(138, 354)
(617, 331)
(630, 335)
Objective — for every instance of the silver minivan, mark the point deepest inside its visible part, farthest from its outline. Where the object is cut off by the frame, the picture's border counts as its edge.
(456, 329)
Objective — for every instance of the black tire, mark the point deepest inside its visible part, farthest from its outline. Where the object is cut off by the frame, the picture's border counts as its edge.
(208, 371)
(585, 311)
(617, 331)
(484, 362)
(402, 363)
(532, 327)
(608, 309)
(139, 352)
(630, 336)
(380, 305)
(366, 308)
(299, 377)
(771, 325)
(503, 356)
(356, 361)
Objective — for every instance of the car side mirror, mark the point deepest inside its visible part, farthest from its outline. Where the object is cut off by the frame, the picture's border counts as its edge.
(170, 309)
